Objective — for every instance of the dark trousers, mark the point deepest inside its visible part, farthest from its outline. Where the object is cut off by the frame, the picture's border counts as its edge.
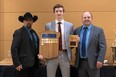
(26, 72)
(85, 71)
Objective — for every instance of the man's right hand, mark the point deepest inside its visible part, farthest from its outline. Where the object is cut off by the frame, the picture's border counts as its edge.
(19, 68)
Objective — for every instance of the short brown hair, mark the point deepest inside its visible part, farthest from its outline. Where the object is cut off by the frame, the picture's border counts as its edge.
(90, 14)
(58, 6)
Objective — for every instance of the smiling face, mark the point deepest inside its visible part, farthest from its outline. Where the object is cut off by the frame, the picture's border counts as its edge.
(87, 18)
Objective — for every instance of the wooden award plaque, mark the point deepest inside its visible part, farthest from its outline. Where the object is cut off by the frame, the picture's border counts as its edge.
(49, 43)
(73, 41)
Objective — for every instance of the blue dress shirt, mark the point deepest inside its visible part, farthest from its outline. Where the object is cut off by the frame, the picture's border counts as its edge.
(87, 39)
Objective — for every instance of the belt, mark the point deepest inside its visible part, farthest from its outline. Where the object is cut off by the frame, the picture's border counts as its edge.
(84, 59)
(64, 50)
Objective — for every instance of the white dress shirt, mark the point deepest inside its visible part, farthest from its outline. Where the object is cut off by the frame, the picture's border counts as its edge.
(63, 32)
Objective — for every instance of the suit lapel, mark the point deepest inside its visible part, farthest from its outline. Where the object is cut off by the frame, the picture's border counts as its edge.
(90, 36)
(79, 31)
(25, 31)
(53, 26)
(65, 28)
(65, 25)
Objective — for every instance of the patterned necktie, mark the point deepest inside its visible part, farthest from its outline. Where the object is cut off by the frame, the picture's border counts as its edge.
(84, 42)
(60, 38)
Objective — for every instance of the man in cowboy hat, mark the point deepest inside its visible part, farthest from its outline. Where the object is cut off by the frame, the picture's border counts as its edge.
(25, 47)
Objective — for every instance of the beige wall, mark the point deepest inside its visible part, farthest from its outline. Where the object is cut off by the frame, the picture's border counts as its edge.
(104, 12)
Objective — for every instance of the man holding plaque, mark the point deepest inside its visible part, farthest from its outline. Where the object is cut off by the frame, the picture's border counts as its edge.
(91, 50)
(25, 47)
(64, 53)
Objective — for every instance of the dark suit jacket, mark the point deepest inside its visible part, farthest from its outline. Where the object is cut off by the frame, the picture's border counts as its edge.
(23, 49)
(96, 46)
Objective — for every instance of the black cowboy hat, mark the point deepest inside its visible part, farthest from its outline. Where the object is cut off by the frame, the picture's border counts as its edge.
(26, 16)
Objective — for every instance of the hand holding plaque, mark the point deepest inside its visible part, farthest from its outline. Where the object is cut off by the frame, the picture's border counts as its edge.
(73, 41)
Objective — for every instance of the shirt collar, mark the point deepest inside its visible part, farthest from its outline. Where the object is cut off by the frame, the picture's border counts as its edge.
(62, 21)
(27, 28)
(89, 27)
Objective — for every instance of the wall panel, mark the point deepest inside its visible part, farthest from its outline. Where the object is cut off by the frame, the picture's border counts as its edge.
(104, 13)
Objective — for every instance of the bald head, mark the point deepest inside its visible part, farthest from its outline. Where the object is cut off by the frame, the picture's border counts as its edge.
(87, 18)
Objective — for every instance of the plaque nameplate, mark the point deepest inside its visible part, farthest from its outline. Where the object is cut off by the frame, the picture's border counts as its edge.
(73, 42)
